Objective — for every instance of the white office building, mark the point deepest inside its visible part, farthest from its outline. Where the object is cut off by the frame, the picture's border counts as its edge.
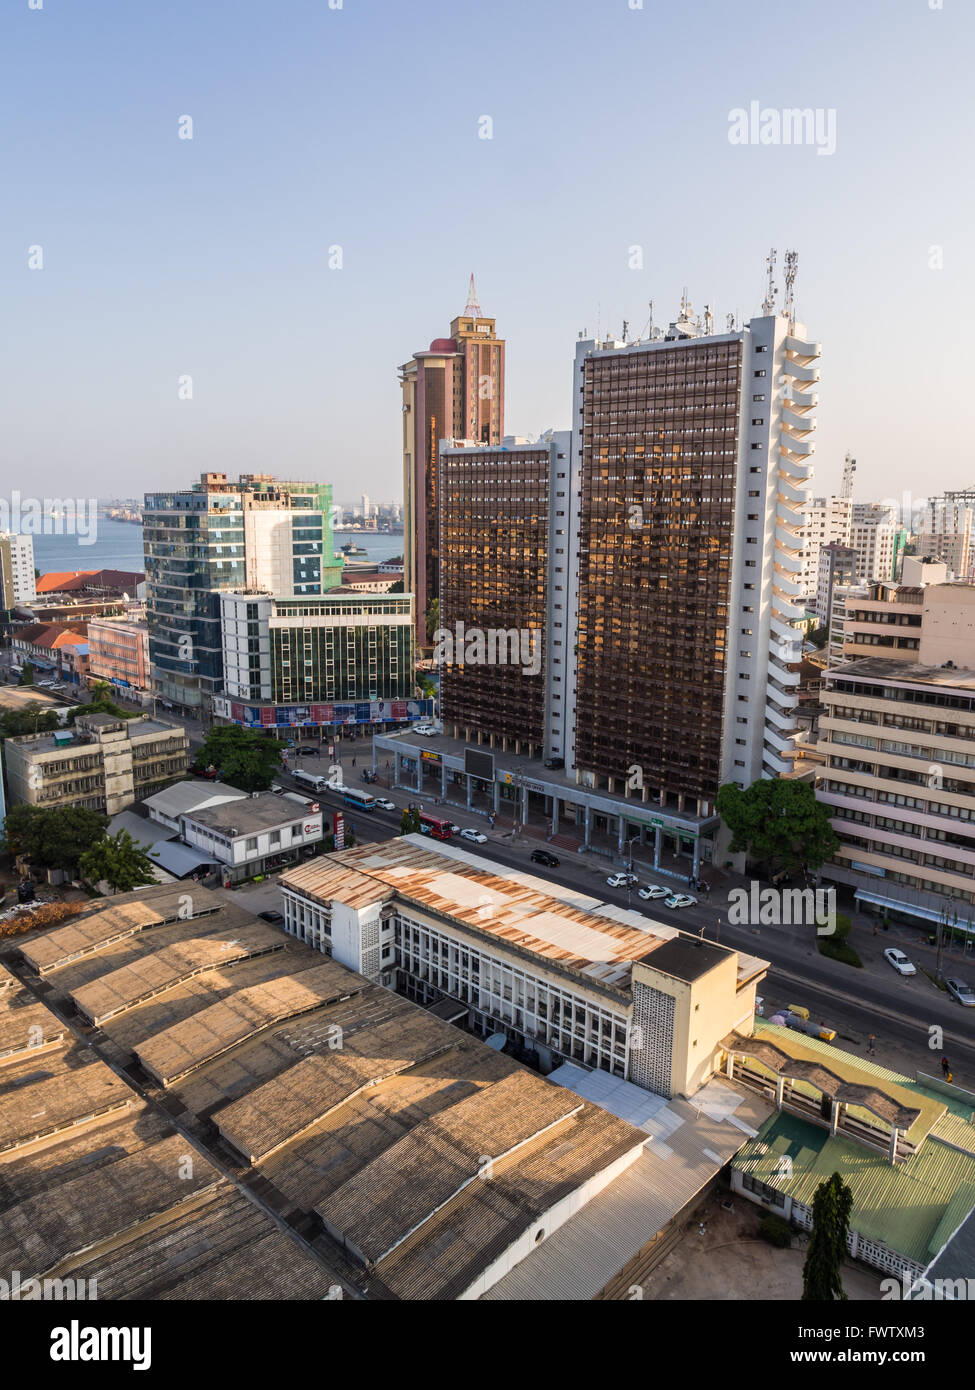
(873, 535)
(16, 569)
(826, 521)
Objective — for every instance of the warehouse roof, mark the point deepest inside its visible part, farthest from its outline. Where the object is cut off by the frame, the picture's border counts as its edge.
(263, 812)
(204, 1036)
(183, 797)
(67, 1099)
(154, 974)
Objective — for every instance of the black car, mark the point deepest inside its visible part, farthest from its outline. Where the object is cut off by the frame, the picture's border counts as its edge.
(308, 750)
(542, 856)
(555, 763)
(274, 917)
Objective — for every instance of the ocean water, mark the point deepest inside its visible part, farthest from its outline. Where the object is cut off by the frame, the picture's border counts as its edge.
(118, 546)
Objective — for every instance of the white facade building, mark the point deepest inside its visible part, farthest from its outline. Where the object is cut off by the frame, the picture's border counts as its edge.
(16, 569)
(250, 836)
(873, 533)
(946, 534)
(826, 521)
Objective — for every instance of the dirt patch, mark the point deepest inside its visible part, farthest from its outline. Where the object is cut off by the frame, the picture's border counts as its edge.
(730, 1261)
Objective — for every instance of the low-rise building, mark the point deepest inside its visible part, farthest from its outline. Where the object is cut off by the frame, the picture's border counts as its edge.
(41, 644)
(561, 975)
(905, 1149)
(253, 835)
(102, 763)
(183, 798)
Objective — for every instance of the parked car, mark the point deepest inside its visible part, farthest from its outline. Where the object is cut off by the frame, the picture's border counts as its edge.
(477, 838)
(274, 917)
(542, 856)
(963, 993)
(555, 763)
(308, 750)
(652, 891)
(427, 730)
(385, 804)
(622, 880)
(277, 789)
(680, 900)
(899, 961)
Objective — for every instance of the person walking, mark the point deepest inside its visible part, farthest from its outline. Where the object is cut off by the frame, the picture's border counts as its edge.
(946, 1068)
(871, 1041)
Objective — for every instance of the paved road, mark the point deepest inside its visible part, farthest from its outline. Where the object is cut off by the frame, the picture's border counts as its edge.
(899, 1012)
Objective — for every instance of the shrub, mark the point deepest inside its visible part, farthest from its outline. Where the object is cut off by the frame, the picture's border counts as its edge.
(775, 1230)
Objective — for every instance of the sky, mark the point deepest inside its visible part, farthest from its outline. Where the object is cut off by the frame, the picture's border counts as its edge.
(209, 264)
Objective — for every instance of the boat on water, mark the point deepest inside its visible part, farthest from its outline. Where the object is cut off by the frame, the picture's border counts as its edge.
(350, 548)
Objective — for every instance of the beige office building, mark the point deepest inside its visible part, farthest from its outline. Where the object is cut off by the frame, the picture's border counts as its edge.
(103, 763)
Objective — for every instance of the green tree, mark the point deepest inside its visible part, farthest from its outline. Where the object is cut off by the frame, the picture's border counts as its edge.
(832, 1205)
(26, 674)
(409, 823)
(433, 618)
(819, 636)
(245, 758)
(53, 837)
(101, 702)
(120, 861)
(32, 719)
(426, 684)
(777, 823)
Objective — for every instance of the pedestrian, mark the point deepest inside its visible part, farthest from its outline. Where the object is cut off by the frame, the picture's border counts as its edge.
(353, 762)
(870, 1043)
(946, 1068)
(876, 929)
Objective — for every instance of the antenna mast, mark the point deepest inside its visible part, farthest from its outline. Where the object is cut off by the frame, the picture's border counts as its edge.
(849, 468)
(768, 303)
(791, 270)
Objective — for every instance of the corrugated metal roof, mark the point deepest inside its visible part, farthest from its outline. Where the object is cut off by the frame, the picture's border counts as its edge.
(900, 1204)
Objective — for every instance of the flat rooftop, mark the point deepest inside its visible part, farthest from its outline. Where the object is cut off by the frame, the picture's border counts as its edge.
(686, 958)
(263, 812)
(589, 942)
(882, 668)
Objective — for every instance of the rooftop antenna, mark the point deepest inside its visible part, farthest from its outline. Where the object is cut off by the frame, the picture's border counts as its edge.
(648, 327)
(768, 303)
(473, 309)
(730, 318)
(708, 320)
(685, 305)
(849, 468)
(625, 327)
(791, 270)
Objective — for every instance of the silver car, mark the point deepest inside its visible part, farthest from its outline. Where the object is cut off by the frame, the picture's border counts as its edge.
(961, 992)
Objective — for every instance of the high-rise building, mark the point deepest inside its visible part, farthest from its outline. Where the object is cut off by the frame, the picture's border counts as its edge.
(257, 533)
(947, 528)
(838, 568)
(454, 390)
(505, 527)
(694, 453)
(826, 521)
(873, 535)
(17, 584)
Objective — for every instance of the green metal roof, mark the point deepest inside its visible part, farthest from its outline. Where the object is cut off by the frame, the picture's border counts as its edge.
(902, 1205)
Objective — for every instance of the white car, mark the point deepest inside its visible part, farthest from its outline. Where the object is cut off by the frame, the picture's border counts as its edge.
(384, 804)
(680, 900)
(475, 836)
(963, 993)
(427, 730)
(899, 961)
(621, 880)
(652, 891)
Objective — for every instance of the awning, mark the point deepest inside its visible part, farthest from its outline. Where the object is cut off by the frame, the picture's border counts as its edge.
(926, 914)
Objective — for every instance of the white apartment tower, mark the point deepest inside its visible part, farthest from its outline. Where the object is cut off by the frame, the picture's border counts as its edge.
(16, 569)
(826, 522)
(873, 534)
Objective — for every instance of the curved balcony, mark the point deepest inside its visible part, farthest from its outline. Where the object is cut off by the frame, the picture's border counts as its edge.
(788, 559)
(805, 347)
(782, 674)
(795, 396)
(786, 610)
(798, 372)
(775, 763)
(780, 580)
(783, 630)
(798, 422)
(792, 466)
(782, 742)
(790, 493)
(781, 721)
(788, 536)
(795, 444)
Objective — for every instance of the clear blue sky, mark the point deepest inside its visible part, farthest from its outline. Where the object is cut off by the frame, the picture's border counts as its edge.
(359, 127)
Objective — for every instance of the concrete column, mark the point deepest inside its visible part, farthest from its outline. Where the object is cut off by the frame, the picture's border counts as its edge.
(470, 788)
(834, 1116)
(779, 1091)
(588, 819)
(524, 805)
(893, 1144)
(443, 780)
(396, 769)
(419, 772)
(555, 815)
(621, 834)
(656, 848)
(697, 858)
(497, 797)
